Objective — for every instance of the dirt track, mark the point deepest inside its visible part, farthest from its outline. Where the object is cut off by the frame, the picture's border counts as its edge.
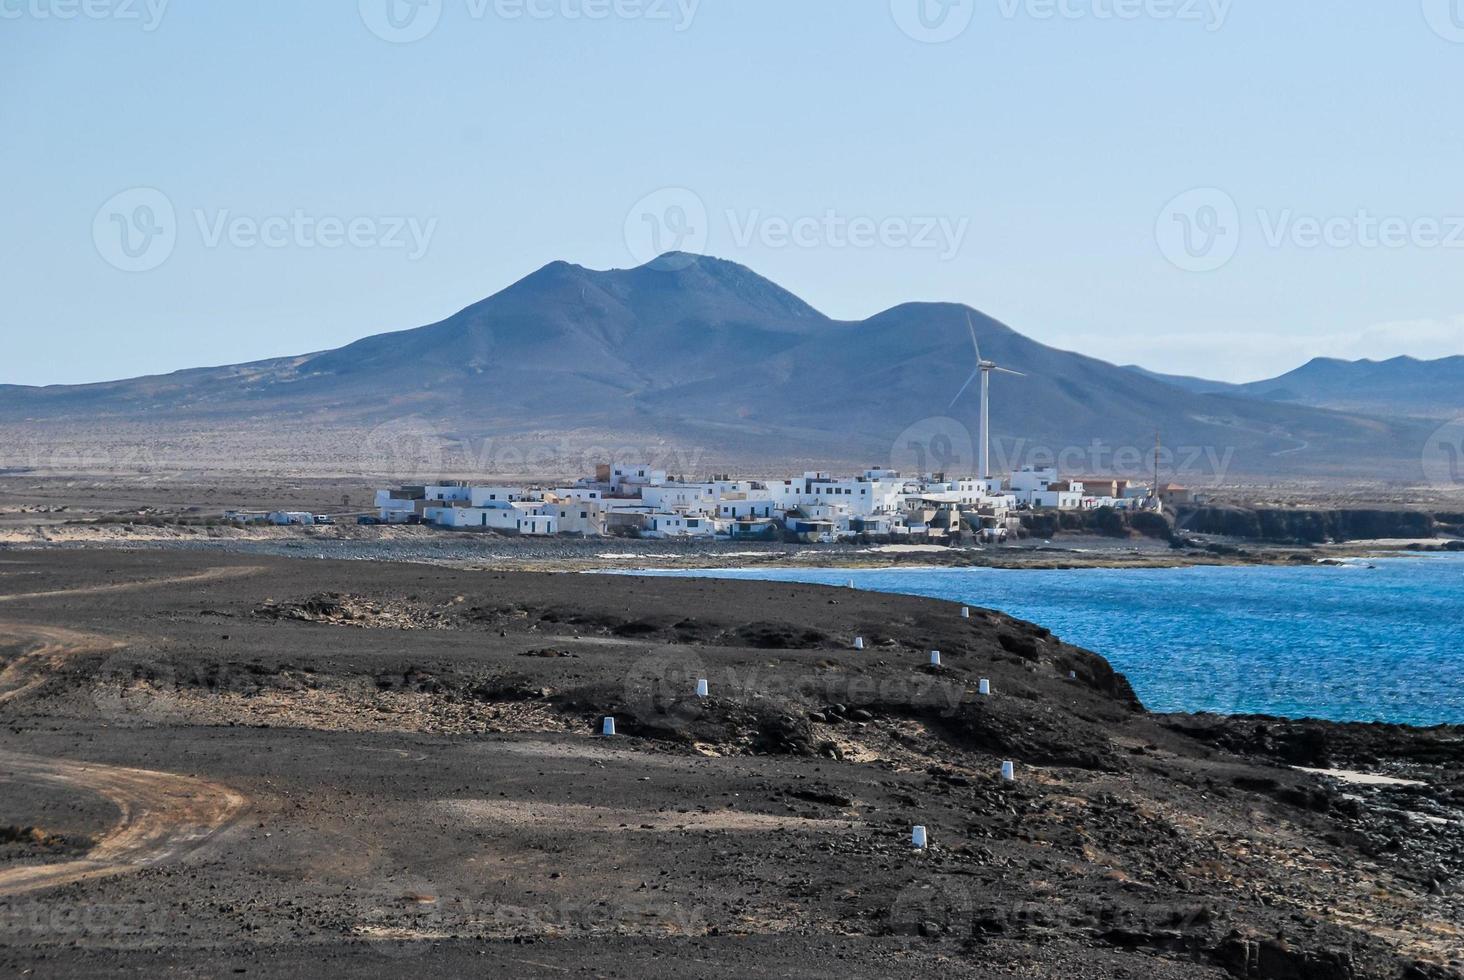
(52, 646)
(163, 816)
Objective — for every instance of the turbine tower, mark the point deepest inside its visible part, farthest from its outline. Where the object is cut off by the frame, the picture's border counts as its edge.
(984, 368)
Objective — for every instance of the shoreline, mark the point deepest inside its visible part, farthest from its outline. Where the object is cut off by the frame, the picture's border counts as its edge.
(495, 552)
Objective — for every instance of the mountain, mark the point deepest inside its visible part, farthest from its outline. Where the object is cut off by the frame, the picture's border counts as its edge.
(699, 361)
(1400, 386)
(1199, 386)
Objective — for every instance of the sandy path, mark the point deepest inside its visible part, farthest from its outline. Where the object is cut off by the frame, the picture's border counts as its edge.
(163, 816)
(212, 575)
(579, 818)
(30, 669)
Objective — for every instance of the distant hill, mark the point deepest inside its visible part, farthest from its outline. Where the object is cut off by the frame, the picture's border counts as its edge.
(1199, 386)
(705, 355)
(1402, 386)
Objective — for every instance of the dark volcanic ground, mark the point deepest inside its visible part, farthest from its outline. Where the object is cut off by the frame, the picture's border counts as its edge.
(219, 765)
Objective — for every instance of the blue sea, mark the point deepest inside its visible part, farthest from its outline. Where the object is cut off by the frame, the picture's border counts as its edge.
(1376, 640)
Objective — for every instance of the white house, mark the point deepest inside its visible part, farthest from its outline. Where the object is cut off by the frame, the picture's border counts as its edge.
(584, 517)
(638, 475)
(747, 508)
(512, 519)
(449, 494)
(699, 498)
(496, 496)
(662, 525)
(285, 518)
(853, 496)
(1057, 499)
(1029, 480)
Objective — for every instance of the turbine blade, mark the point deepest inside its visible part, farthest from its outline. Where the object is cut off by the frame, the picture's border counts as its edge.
(1003, 370)
(971, 326)
(963, 389)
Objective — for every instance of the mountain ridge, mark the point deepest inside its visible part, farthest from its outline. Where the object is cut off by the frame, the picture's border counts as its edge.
(699, 349)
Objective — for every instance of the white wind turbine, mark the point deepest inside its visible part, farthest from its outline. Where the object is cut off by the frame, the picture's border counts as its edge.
(984, 368)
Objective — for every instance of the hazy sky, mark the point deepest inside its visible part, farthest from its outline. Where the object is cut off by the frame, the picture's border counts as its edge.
(1221, 187)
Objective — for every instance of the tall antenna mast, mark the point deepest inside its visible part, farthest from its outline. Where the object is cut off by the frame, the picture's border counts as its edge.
(1158, 450)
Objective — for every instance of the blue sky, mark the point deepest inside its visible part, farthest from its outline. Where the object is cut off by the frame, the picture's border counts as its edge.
(1222, 187)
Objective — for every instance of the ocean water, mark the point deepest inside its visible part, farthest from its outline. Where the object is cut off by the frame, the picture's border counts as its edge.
(1351, 643)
